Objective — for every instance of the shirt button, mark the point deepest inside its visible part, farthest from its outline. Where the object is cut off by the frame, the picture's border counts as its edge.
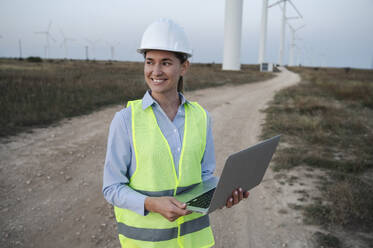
(175, 130)
(178, 149)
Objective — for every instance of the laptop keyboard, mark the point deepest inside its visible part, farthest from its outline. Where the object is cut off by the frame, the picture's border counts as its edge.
(202, 201)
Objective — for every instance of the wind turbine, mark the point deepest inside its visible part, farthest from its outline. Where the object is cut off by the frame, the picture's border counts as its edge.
(292, 45)
(308, 54)
(47, 37)
(284, 20)
(20, 48)
(283, 25)
(112, 48)
(297, 55)
(64, 42)
(86, 53)
(93, 44)
(323, 60)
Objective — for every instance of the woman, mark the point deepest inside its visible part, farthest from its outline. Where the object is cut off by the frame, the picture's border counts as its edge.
(157, 147)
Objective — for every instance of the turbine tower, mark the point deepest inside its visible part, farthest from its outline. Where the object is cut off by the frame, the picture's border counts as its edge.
(263, 33)
(93, 44)
(47, 37)
(64, 43)
(86, 52)
(283, 25)
(20, 48)
(308, 53)
(112, 49)
(232, 34)
(282, 38)
(292, 45)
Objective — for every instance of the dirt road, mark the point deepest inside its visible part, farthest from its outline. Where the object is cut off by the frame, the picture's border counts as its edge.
(51, 179)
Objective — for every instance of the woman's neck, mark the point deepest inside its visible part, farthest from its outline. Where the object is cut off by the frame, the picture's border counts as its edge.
(169, 103)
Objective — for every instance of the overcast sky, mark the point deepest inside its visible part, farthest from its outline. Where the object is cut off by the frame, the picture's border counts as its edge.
(338, 33)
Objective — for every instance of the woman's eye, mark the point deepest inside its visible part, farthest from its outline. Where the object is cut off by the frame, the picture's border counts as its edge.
(166, 63)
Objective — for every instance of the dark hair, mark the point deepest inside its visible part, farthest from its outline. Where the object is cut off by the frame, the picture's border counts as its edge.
(182, 58)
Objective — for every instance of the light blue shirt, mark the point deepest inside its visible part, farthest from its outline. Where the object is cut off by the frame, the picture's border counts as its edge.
(120, 163)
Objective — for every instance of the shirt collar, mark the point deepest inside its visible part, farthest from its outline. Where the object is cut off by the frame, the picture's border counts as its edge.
(148, 100)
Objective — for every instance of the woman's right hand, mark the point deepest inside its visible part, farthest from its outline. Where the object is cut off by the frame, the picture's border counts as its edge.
(167, 206)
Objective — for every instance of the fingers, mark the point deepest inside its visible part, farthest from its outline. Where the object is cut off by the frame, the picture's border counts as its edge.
(168, 207)
(180, 207)
(178, 204)
(229, 202)
(240, 194)
(235, 197)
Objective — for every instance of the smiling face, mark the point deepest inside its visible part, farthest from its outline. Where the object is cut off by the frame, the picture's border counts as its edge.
(162, 71)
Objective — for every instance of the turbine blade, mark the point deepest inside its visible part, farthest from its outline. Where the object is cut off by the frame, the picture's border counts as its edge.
(300, 15)
(300, 27)
(278, 2)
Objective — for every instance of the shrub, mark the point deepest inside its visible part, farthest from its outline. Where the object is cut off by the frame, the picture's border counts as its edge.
(34, 59)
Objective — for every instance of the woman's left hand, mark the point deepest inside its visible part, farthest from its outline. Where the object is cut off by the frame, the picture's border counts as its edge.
(237, 196)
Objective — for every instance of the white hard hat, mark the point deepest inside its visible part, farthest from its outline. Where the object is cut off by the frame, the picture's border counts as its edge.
(166, 35)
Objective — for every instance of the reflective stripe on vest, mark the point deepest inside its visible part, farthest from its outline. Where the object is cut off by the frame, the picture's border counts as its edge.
(148, 234)
(169, 192)
(155, 175)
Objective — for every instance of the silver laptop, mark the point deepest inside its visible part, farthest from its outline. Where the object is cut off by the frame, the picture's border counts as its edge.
(244, 169)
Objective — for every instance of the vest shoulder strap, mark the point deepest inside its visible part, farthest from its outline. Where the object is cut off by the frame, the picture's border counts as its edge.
(129, 103)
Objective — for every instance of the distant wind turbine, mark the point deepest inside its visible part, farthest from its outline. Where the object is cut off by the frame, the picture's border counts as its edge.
(292, 45)
(283, 25)
(64, 42)
(86, 52)
(112, 49)
(309, 54)
(323, 60)
(297, 55)
(93, 44)
(20, 48)
(47, 37)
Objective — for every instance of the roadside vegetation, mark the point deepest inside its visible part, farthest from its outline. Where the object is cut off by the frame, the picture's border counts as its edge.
(35, 92)
(326, 122)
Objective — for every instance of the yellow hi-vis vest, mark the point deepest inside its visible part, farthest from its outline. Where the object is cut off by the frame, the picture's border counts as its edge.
(155, 175)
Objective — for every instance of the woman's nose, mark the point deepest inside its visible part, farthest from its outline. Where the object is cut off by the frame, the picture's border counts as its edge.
(157, 70)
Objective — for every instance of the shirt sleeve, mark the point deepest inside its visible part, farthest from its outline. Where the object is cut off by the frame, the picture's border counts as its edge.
(208, 161)
(118, 160)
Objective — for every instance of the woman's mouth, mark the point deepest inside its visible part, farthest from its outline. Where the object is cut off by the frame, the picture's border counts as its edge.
(158, 81)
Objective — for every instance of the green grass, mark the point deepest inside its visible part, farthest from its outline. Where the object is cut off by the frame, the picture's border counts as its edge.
(327, 240)
(34, 94)
(326, 122)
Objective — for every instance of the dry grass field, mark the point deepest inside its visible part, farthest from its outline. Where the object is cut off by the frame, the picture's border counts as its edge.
(327, 125)
(40, 93)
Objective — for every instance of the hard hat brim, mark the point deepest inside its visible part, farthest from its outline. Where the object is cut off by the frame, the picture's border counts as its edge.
(143, 50)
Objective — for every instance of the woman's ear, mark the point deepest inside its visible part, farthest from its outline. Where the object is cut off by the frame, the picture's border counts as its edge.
(184, 67)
